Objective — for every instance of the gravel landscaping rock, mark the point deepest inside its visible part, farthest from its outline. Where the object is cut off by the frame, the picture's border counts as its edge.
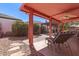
(13, 47)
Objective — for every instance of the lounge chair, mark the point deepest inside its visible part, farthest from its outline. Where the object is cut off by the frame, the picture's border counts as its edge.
(61, 38)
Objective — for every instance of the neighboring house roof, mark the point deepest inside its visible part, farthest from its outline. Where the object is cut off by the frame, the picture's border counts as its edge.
(8, 17)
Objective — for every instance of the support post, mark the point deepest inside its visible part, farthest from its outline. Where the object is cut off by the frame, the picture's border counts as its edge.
(30, 28)
(50, 27)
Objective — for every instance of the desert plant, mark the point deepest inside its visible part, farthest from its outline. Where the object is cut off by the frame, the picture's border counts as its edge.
(19, 28)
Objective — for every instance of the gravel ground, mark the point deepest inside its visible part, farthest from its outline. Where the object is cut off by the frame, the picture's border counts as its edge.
(10, 45)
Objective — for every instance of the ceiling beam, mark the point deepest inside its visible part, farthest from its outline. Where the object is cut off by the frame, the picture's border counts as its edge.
(71, 19)
(66, 11)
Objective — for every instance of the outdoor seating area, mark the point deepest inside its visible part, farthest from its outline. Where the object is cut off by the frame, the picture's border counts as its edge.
(61, 13)
(61, 38)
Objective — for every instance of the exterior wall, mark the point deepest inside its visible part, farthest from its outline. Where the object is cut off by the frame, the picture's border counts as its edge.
(6, 25)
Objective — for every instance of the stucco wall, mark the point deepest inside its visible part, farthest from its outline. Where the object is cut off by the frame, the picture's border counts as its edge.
(6, 24)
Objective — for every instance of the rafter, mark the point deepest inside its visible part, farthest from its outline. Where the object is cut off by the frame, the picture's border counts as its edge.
(70, 20)
(66, 11)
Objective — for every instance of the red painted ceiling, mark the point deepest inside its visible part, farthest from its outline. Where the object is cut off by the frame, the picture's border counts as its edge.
(64, 12)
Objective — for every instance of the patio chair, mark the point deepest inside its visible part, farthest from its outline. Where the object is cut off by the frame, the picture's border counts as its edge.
(60, 39)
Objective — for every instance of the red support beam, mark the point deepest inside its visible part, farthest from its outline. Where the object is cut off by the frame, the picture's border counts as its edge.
(30, 28)
(50, 27)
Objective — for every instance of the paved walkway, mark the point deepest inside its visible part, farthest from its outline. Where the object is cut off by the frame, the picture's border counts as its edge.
(39, 42)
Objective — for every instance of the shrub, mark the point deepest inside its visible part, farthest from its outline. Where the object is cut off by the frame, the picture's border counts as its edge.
(66, 26)
(20, 28)
(36, 29)
(43, 30)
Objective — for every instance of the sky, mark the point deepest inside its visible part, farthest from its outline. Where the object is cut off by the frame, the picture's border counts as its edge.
(13, 9)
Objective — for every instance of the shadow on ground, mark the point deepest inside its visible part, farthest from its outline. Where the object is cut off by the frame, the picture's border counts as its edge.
(34, 52)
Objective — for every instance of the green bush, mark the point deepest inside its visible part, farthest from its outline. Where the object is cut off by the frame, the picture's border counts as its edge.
(43, 30)
(20, 28)
(36, 29)
(66, 26)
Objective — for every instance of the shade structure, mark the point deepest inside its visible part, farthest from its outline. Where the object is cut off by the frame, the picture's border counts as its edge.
(60, 12)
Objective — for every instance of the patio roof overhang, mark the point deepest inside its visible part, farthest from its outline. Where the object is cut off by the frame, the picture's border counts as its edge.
(61, 12)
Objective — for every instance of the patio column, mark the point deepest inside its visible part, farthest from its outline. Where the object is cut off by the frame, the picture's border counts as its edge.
(50, 27)
(30, 28)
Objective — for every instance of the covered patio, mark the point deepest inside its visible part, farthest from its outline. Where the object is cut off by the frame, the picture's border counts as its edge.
(59, 12)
